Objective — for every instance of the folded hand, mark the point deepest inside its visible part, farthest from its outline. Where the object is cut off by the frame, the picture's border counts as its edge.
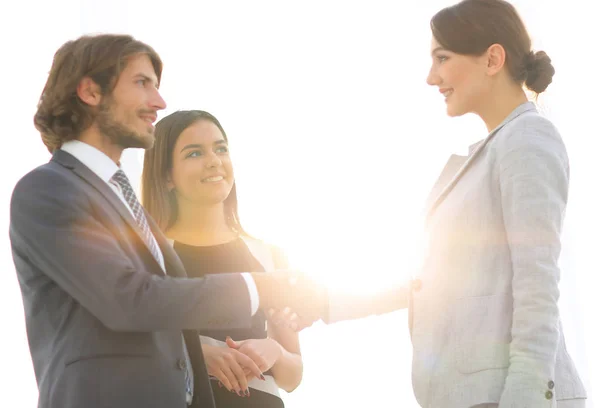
(231, 367)
(263, 352)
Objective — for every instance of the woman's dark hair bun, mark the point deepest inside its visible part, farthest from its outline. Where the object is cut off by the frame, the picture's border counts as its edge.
(539, 71)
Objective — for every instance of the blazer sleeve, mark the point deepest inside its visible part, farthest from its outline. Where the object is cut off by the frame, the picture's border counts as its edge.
(533, 171)
(53, 229)
(345, 306)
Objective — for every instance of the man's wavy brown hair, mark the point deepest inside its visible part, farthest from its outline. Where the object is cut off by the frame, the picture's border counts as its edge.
(61, 116)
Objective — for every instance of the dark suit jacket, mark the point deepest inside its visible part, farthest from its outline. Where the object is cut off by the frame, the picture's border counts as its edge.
(104, 323)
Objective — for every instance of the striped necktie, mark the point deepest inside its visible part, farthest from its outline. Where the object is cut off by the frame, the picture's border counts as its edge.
(121, 179)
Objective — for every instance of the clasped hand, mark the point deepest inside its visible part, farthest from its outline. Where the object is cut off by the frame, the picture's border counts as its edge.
(234, 366)
(291, 299)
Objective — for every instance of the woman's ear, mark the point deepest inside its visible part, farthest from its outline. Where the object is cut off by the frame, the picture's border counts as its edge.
(170, 184)
(496, 57)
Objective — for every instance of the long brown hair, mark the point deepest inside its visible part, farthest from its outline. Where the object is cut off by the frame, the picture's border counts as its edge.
(472, 26)
(61, 116)
(158, 163)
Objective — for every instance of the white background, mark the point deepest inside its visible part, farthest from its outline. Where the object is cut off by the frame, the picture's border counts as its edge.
(336, 140)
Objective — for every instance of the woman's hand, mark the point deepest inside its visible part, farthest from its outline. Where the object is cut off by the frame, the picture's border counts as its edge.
(231, 367)
(263, 352)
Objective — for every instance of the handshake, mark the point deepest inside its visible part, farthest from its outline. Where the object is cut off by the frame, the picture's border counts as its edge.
(291, 299)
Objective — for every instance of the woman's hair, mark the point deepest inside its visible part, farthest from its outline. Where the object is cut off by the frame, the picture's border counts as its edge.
(61, 116)
(158, 163)
(472, 26)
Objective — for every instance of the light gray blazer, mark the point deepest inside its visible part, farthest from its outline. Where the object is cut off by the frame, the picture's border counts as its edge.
(483, 308)
(484, 317)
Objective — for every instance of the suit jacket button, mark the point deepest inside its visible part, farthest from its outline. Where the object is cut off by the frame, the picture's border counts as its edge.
(551, 384)
(549, 395)
(417, 285)
(181, 364)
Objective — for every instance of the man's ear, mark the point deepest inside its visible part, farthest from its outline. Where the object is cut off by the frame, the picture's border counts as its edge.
(89, 92)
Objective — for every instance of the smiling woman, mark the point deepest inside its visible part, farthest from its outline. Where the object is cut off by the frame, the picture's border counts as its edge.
(202, 170)
(188, 186)
(191, 148)
(462, 53)
(495, 227)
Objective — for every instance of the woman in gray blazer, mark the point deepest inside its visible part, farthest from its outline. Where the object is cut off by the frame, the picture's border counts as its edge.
(484, 318)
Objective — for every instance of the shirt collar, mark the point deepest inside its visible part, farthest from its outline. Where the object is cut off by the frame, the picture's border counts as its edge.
(94, 159)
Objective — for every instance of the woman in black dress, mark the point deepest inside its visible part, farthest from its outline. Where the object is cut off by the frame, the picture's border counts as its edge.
(188, 187)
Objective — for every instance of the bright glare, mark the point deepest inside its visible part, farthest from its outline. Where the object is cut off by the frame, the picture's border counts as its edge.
(336, 141)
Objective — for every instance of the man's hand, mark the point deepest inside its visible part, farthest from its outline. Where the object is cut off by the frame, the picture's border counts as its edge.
(288, 318)
(294, 293)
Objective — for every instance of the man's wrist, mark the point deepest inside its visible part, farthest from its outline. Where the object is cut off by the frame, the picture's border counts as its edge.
(252, 293)
(260, 283)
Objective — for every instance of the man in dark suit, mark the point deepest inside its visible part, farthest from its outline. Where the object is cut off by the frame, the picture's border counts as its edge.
(110, 313)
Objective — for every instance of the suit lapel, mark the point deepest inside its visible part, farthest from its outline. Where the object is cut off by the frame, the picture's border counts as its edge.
(454, 163)
(461, 171)
(475, 152)
(68, 161)
(173, 265)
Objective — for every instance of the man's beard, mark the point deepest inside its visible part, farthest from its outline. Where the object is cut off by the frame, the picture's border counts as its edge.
(118, 132)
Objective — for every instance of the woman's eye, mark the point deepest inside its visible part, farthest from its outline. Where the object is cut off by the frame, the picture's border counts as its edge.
(223, 149)
(442, 58)
(195, 153)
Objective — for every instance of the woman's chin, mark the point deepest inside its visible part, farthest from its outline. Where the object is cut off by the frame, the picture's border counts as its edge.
(454, 111)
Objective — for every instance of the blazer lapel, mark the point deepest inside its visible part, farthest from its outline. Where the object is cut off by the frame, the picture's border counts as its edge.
(173, 265)
(476, 149)
(454, 163)
(68, 161)
(461, 171)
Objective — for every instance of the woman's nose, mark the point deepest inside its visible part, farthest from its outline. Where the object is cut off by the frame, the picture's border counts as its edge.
(433, 78)
(213, 161)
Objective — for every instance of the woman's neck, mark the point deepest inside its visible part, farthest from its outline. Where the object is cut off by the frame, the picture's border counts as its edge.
(200, 225)
(503, 100)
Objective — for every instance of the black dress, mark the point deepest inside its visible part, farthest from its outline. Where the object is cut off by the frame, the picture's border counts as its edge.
(231, 257)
